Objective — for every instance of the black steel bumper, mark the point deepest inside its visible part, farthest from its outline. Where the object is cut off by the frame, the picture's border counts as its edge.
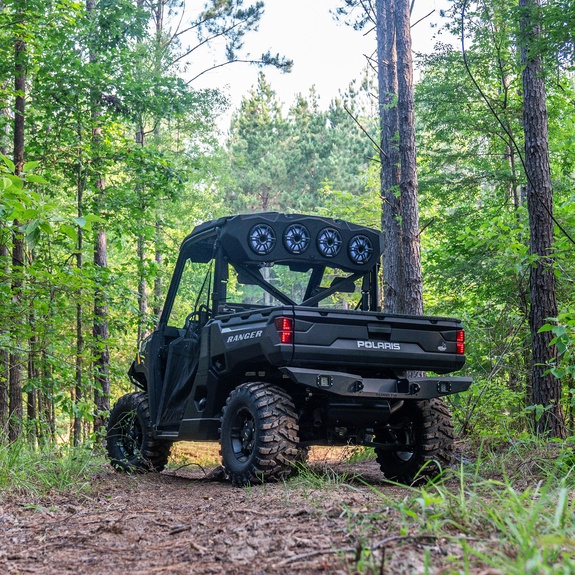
(356, 386)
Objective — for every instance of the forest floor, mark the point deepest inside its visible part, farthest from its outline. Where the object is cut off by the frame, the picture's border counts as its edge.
(337, 518)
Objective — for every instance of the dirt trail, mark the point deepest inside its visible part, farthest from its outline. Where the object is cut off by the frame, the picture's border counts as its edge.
(179, 522)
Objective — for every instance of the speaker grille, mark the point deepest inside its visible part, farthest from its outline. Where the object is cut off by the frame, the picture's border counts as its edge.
(360, 249)
(329, 242)
(262, 239)
(296, 239)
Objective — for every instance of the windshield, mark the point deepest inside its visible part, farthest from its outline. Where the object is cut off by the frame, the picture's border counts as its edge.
(250, 286)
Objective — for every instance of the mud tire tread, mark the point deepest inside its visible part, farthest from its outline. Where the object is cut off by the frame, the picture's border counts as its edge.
(128, 454)
(433, 428)
(275, 449)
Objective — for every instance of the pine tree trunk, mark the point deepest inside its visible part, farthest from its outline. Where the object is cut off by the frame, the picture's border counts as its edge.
(16, 358)
(100, 328)
(5, 267)
(4, 356)
(546, 388)
(142, 289)
(101, 336)
(412, 275)
(389, 157)
(159, 260)
(78, 393)
(141, 253)
(33, 374)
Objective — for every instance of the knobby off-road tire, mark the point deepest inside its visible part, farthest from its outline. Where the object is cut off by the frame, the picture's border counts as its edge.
(432, 430)
(129, 439)
(258, 434)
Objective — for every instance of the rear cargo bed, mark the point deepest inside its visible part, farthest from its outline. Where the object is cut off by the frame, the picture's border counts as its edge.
(366, 342)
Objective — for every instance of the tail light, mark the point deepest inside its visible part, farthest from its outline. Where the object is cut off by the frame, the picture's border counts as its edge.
(460, 342)
(284, 326)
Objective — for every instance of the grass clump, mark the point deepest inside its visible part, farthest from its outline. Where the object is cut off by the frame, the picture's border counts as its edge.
(319, 476)
(35, 472)
(511, 512)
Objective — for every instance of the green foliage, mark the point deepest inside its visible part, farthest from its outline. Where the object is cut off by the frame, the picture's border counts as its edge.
(475, 243)
(35, 473)
(281, 162)
(120, 142)
(509, 510)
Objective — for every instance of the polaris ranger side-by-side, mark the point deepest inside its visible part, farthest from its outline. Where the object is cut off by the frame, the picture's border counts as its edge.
(272, 340)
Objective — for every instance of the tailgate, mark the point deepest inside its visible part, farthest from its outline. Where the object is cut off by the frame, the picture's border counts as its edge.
(371, 341)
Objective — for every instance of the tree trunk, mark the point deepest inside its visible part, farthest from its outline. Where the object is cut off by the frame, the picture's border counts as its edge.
(389, 157)
(412, 275)
(100, 329)
(79, 367)
(142, 289)
(101, 336)
(546, 388)
(141, 252)
(4, 355)
(33, 372)
(16, 358)
(5, 267)
(159, 260)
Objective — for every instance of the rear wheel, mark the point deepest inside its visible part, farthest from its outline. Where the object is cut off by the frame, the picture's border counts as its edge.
(258, 434)
(426, 430)
(130, 442)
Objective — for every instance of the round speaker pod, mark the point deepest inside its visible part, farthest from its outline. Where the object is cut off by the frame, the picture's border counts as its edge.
(329, 242)
(296, 239)
(359, 249)
(262, 239)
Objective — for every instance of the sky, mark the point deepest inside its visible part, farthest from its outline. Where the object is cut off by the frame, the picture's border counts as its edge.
(327, 54)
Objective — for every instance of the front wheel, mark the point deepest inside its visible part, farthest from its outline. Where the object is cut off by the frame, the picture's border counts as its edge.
(258, 434)
(426, 430)
(130, 441)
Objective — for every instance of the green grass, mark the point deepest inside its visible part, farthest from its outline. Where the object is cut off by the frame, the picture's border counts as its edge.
(319, 476)
(526, 530)
(25, 470)
(508, 510)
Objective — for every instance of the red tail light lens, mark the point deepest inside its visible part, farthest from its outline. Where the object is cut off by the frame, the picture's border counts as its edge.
(460, 342)
(284, 326)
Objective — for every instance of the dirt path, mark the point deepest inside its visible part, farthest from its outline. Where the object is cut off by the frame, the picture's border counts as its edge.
(179, 523)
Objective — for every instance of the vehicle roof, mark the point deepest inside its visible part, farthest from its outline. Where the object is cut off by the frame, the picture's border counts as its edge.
(273, 237)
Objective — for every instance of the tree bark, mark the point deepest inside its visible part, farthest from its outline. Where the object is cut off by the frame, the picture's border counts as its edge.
(412, 275)
(159, 260)
(100, 328)
(389, 156)
(402, 276)
(4, 355)
(33, 372)
(4, 263)
(101, 336)
(142, 288)
(16, 412)
(543, 304)
(79, 363)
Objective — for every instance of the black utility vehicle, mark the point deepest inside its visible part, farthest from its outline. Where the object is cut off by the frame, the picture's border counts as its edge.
(272, 340)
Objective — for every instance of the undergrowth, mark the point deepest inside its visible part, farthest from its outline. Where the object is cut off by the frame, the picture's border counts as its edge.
(36, 472)
(509, 512)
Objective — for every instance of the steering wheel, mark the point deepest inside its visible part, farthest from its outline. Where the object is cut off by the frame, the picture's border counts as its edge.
(199, 316)
(190, 319)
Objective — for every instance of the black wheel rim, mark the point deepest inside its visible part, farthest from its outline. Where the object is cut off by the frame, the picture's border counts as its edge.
(404, 436)
(243, 435)
(130, 436)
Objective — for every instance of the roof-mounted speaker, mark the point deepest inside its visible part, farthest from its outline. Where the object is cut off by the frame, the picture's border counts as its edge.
(296, 239)
(262, 239)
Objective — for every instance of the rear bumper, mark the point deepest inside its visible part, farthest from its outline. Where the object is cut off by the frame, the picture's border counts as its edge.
(356, 386)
